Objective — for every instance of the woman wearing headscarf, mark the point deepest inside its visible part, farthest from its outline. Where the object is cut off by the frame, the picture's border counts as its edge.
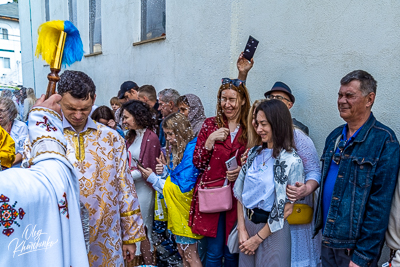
(190, 105)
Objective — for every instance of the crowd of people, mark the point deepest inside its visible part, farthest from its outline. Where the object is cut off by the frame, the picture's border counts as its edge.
(163, 185)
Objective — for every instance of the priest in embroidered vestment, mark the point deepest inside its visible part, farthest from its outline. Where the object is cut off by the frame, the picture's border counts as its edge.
(40, 222)
(99, 156)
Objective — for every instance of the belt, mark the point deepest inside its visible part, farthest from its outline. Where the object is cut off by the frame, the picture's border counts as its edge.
(257, 215)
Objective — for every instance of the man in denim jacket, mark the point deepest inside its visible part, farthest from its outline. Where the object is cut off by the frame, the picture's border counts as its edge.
(359, 173)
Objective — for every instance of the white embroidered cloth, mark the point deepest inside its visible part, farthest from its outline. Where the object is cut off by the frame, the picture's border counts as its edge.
(40, 222)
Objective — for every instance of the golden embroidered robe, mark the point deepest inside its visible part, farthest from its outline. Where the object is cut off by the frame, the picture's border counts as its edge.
(99, 156)
(107, 190)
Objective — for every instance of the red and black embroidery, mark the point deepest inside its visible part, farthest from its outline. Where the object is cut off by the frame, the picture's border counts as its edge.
(9, 215)
(46, 124)
(64, 206)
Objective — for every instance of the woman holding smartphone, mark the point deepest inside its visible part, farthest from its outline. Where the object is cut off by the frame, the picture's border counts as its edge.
(143, 146)
(264, 234)
(219, 140)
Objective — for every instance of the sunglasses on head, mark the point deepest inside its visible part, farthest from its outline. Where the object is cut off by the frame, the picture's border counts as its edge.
(235, 82)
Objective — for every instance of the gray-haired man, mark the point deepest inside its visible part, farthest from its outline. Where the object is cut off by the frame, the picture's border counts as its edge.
(168, 103)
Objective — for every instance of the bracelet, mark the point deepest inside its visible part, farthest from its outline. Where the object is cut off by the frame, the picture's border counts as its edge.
(261, 237)
(209, 149)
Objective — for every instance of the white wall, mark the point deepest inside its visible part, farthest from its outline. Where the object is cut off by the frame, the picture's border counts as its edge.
(310, 45)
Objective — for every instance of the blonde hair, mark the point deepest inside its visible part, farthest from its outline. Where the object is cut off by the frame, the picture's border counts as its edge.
(30, 93)
(243, 94)
(253, 139)
(180, 125)
(115, 100)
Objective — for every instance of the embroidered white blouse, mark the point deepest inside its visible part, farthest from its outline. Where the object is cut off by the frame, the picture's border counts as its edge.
(259, 188)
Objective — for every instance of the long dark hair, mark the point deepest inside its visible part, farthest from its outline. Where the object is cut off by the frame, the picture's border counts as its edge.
(278, 116)
(103, 112)
(144, 115)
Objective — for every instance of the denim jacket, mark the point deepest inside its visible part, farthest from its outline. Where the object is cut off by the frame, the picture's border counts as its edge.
(361, 199)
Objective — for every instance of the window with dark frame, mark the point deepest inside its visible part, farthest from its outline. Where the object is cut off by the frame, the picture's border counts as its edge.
(152, 19)
(47, 9)
(72, 9)
(4, 34)
(95, 26)
(5, 62)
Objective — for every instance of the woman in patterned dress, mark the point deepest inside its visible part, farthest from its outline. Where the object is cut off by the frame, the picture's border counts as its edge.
(306, 250)
(264, 234)
(220, 138)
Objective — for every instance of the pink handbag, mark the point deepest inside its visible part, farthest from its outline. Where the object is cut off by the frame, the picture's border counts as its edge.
(215, 199)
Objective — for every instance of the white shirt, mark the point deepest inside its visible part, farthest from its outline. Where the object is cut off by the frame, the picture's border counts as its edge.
(19, 132)
(234, 133)
(259, 188)
(135, 152)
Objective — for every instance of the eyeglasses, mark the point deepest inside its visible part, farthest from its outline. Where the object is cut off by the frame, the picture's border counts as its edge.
(279, 97)
(235, 82)
(338, 155)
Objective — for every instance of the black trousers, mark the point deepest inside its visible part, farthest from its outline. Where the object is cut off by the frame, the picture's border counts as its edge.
(338, 258)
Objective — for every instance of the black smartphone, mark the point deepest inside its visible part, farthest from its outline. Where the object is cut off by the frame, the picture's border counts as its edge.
(250, 48)
(138, 162)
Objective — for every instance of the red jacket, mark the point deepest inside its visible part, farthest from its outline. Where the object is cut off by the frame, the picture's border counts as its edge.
(212, 165)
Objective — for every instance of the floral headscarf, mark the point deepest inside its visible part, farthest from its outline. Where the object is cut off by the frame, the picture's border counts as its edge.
(196, 113)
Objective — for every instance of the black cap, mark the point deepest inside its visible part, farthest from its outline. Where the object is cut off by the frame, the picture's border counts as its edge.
(280, 86)
(125, 87)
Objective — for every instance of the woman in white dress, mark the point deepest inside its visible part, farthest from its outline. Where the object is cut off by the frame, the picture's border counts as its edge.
(143, 148)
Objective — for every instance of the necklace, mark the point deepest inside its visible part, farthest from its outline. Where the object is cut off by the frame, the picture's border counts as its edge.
(265, 161)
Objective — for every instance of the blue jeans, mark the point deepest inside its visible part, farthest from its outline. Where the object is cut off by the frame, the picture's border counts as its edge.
(202, 248)
(217, 249)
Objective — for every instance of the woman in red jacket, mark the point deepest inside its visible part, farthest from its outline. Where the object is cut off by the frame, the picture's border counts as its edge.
(220, 138)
